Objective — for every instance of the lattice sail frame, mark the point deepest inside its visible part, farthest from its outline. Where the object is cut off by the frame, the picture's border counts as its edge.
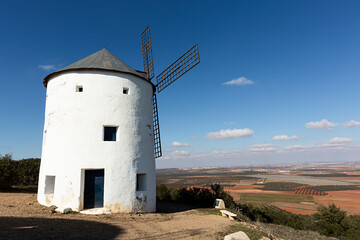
(157, 142)
(182, 65)
(147, 53)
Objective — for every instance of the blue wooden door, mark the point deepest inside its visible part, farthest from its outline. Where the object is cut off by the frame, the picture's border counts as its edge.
(94, 188)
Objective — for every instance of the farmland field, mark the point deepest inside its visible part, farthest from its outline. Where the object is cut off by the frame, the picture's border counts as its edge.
(298, 189)
(307, 180)
(265, 198)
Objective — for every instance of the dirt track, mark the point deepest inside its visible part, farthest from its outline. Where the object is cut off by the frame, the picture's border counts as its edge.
(21, 217)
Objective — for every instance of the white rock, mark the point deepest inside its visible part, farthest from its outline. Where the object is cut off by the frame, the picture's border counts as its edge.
(63, 210)
(237, 236)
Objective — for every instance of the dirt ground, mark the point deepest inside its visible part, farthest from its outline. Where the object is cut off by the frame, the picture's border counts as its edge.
(346, 200)
(21, 217)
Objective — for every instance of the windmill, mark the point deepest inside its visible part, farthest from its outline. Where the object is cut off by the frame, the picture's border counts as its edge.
(97, 141)
(178, 68)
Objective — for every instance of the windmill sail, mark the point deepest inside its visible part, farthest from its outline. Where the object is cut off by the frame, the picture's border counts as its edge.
(157, 143)
(147, 53)
(186, 62)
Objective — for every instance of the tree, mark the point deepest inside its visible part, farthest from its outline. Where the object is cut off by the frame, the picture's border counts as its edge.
(331, 221)
(7, 172)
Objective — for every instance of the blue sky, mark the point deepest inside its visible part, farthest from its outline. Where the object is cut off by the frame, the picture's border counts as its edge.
(294, 66)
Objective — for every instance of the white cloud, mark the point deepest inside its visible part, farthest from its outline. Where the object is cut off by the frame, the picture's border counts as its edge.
(239, 81)
(230, 133)
(261, 145)
(284, 137)
(351, 124)
(268, 147)
(47, 67)
(340, 140)
(296, 147)
(322, 124)
(336, 143)
(179, 144)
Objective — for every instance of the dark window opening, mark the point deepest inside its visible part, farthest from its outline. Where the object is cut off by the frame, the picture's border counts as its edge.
(79, 88)
(125, 91)
(110, 133)
(141, 182)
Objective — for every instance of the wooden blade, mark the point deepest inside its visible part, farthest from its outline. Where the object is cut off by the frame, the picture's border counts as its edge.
(157, 142)
(186, 62)
(147, 53)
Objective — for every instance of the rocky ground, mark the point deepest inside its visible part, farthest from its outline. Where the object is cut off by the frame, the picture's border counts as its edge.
(21, 217)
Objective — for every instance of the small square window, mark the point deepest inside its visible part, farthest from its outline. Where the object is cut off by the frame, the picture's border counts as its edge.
(110, 133)
(125, 90)
(79, 88)
(141, 182)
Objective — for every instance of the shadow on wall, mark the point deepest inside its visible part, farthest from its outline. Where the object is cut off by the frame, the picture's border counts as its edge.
(49, 228)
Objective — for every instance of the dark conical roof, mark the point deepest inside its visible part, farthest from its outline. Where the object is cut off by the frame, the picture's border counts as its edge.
(101, 60)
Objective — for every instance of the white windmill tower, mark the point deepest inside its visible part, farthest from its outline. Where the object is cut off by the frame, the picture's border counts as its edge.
(101, 132)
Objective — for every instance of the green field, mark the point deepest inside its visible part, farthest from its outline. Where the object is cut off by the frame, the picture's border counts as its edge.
(265, 198)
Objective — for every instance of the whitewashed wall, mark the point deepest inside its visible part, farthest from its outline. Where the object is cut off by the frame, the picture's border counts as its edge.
(73, 139)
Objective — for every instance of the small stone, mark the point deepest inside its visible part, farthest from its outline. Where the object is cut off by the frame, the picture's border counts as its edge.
(67, 210)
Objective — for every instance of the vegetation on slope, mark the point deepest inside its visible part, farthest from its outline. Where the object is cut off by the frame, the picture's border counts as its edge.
(24, 172)
(330, 221)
